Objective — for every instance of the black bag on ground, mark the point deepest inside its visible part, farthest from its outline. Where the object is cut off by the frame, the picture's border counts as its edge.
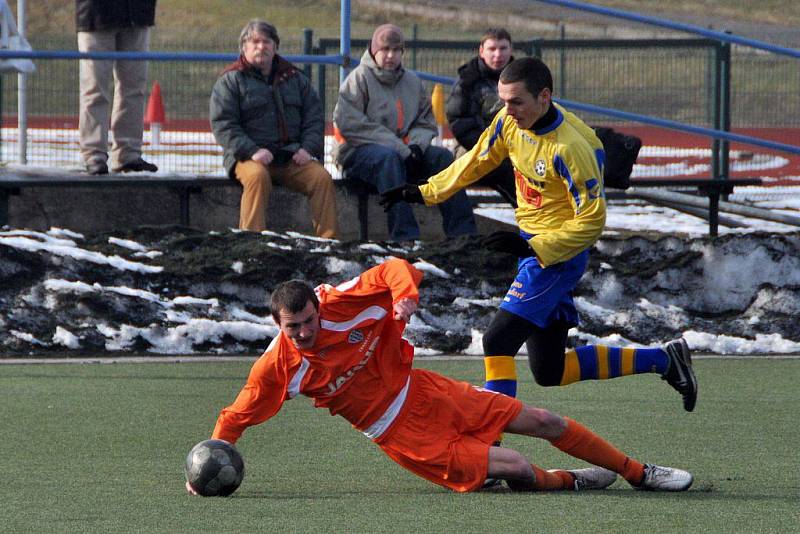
(621, 153)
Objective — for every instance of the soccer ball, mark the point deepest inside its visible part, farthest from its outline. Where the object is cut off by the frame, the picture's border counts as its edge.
(214, 468)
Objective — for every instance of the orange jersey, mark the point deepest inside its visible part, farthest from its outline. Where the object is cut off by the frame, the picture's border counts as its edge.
(359, 366)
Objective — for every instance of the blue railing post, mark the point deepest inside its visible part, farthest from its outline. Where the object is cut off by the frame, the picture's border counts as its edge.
(725, 109)
(562, 90)
(308, 37)
(716, 111)
(322, 73)
(344, 40)
(414, 36)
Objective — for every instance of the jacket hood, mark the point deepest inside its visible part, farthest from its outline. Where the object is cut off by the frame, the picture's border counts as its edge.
(386, 77)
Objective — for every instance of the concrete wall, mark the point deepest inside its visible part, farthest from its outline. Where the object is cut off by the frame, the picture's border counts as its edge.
(95, 208)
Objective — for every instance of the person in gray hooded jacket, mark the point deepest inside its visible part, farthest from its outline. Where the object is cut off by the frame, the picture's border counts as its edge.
(384, 126)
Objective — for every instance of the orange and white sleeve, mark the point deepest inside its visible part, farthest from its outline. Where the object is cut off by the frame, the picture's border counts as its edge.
(396, 276)
(260, 398)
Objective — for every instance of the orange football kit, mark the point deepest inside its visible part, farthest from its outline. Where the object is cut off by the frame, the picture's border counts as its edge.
(360, 368)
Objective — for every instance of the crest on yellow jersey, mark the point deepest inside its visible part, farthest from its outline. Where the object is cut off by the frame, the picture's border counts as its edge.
(540, 167)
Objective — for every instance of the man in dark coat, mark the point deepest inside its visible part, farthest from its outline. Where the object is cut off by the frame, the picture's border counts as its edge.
(269, 121)
(473, 103)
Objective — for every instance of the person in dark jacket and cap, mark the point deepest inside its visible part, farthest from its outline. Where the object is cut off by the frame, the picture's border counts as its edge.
(113, 26)
(268, 120)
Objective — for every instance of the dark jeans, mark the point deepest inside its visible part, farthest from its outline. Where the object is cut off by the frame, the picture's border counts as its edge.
(383, 168)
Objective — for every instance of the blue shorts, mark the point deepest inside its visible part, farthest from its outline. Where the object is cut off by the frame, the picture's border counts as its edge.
(544, 294)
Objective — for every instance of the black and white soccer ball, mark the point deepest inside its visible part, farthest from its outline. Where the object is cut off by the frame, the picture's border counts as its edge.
(214, 468)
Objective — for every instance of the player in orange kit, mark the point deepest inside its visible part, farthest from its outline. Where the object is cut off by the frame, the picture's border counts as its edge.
(343, 347)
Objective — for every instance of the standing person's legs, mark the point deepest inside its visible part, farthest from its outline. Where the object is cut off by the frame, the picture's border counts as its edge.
(457, 217)
(316, 183)
(383, 168)
(127, 118)
(257, 184)
(95, 96)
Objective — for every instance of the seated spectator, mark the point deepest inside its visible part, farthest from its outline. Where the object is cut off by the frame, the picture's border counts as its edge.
(473, 103)
(385, 125)
(269, 121)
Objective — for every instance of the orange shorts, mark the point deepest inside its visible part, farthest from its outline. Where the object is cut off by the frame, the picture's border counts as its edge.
(445, 428)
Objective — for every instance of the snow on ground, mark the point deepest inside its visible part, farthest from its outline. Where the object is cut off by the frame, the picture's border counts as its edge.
(207, 292)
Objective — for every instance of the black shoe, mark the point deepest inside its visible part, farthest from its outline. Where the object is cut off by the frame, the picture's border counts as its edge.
(137, 165)
(97, 167)
(680, 374)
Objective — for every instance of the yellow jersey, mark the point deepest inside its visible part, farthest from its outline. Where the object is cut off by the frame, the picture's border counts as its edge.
(559, 181)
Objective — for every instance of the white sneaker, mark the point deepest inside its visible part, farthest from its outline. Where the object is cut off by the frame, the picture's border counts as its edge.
(591, 478)
(658, 478)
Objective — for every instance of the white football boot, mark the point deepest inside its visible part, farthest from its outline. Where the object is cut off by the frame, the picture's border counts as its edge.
(658, 478)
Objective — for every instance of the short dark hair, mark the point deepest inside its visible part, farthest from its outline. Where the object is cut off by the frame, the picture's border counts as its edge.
(497, 34)
(291, 296)
(258, 26)
(530, 70)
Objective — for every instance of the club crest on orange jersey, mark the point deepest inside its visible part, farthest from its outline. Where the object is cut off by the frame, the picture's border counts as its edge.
(356, 336)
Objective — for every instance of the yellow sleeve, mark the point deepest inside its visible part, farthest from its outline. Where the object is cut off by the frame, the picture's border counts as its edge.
(579, 167)
(485, 156)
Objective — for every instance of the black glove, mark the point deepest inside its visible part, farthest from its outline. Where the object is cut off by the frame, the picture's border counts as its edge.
(415, 166)
(404, 193)
(508, 242)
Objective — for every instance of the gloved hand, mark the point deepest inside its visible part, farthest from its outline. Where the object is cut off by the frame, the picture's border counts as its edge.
(415, 166)
(405, 193)
(508, 242)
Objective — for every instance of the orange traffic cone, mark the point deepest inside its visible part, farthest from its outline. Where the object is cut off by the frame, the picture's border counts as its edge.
(438, 105)
(154, 115)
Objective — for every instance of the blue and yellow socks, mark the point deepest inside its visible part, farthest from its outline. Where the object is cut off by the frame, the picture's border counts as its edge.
(598, 362)
(501, 374)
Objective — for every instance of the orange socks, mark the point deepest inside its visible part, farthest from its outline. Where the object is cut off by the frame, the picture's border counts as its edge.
(580, 442)
(555, 480)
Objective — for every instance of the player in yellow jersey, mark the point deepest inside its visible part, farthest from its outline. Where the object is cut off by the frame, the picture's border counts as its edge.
(558, 164)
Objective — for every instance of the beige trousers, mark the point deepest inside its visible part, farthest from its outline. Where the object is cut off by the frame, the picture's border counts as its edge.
(310, 179)
(130, 79)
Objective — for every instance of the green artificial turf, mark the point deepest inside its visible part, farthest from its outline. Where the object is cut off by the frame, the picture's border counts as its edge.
(100, 448)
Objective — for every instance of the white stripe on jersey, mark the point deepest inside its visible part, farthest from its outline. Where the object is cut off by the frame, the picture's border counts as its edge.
(350, 284)
(373, 312)
(294, 385)
(377, 428)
